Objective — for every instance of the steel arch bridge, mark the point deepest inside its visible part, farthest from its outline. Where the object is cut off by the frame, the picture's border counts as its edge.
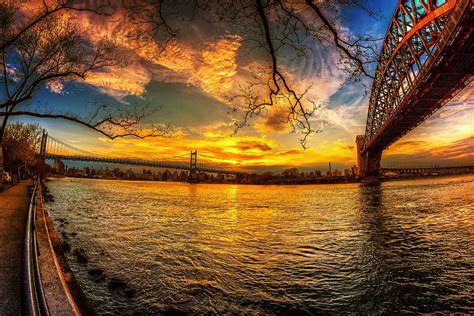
(426, 59)
(51, 148)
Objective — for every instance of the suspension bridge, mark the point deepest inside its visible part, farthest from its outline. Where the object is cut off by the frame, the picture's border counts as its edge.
(426, 59)
(52, 148)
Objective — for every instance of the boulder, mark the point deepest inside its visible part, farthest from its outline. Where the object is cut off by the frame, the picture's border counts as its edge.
(66, 246)
(80, 255)
(99, 278)
(117, 284)
(96, 271)
(129, 292)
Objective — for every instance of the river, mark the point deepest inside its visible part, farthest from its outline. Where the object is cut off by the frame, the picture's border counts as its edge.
(402, 246)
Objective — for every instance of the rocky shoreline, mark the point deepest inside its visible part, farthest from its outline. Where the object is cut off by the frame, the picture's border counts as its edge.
(80, 255)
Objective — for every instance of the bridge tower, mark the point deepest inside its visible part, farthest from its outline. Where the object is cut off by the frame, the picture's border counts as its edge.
(41, 166)
(193, 168)
(44, 139)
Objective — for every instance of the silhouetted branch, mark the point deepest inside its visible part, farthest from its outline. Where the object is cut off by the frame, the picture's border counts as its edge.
(47, 46)
(111, 126)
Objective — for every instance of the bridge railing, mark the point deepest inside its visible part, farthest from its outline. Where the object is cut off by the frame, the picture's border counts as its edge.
(33, 298)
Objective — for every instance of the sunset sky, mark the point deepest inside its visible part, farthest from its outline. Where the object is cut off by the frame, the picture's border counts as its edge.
(189, 83)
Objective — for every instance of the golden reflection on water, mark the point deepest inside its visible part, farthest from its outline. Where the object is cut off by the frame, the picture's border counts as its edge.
(267, 249)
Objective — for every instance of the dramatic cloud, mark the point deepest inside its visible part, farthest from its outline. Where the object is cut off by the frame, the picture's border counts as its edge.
(275, 120)
(120, 82)
(252, 145)
(422, 154)
(55, 86)
(210, 68)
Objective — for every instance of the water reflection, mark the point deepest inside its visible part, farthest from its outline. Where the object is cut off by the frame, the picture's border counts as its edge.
(404, 268)
(370, 248)
(372, 257)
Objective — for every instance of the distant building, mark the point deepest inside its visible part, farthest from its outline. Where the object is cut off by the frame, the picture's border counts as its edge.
(58, 167)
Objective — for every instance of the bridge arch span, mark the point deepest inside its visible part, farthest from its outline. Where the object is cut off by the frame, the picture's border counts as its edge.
(426, 59)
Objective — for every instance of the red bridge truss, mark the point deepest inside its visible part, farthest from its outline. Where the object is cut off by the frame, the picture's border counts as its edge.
(426, 59)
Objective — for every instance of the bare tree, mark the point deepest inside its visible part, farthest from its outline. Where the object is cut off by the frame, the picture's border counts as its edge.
(278, 31)
(21, 142)
(42, 45)
(284, 30)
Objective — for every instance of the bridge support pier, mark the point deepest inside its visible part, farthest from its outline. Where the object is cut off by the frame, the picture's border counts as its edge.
(373, 163)
(368, 163)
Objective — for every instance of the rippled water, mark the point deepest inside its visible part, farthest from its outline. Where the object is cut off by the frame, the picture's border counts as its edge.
(405, 246)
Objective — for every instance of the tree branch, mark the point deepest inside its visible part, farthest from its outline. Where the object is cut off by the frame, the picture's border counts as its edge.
(154, 131)
(337, 39)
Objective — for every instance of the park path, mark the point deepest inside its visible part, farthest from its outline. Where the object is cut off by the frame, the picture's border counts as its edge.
(13, 211)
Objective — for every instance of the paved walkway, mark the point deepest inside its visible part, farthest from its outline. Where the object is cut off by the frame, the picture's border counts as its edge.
(13, 211)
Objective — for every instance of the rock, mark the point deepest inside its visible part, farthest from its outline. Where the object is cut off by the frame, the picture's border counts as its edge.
(80, 255)
(174, 310)
(117, 284)
(48, 197)
(66, 246)
(129, 292)
(73, 234)
(99, 278)
(96, 271)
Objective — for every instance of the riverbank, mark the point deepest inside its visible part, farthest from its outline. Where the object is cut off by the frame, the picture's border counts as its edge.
(48, 237)
(62, 293)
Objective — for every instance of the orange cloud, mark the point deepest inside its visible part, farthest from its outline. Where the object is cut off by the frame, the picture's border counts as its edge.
(55, 86)
(218, 66)
(252, 145)
(423, 153)
(210, 68)
(120, 82)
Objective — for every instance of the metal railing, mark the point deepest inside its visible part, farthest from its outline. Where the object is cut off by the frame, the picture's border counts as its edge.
(33, 298)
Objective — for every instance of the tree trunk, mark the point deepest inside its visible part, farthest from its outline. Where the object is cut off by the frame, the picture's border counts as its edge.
(2, 133)
(2, 128)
